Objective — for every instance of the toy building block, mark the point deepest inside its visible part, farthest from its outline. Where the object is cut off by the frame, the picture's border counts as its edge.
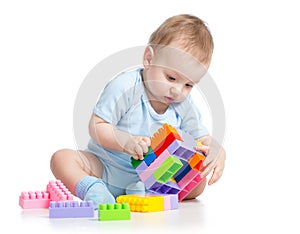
(143, 203)
(167, 169)
(149, 157)
(58, 191)
(183, 149)
(150, 202)
(175, 170)
(187, 178)
(117, 211)
(196, 161)
(167, 188)
(34, 200)
(163, 138)
(71, 209)
(182, 171)
(141, 168)
(135, 163)
(170, 202)
(189, 187)
(153, 166)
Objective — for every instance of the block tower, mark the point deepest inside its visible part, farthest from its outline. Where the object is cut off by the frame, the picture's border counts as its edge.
(171, 165)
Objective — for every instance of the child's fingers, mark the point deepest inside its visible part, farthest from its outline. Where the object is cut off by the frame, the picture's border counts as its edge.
(143, 146)
(202, 148)
(218, 171)
(206, 171)
(147, 141)
(135, 156)
(207, 167)
(138, 151)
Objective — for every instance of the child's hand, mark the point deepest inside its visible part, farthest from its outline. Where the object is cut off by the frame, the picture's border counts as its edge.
(215, 158)
(136, 146)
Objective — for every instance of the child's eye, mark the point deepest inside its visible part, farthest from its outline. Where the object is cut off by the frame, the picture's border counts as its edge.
(189, 85)
(171, 78)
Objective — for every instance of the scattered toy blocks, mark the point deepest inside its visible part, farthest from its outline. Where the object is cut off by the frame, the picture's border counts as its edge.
(34, 200)
(55, 191)
(71, 209)
(117, 211)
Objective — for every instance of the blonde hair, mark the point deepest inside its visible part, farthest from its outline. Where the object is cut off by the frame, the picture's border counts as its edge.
(190, 31)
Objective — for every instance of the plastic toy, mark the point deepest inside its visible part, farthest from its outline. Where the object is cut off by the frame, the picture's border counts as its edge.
(117, 211)
(149, 202)
(34, 200)
(58, 191)
(71, 209)
(55, 191)
(176, 165)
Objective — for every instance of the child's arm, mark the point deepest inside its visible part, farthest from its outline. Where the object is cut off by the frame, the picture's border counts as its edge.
(108, 136)
(215, 158)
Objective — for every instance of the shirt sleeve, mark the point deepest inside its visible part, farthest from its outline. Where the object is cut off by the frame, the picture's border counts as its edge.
(114, 101)
(191, 118)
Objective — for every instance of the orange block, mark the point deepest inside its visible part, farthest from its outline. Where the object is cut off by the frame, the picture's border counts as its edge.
(164, 137)
(196, 161)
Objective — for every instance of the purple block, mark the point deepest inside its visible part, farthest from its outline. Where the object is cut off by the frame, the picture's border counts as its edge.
(174, 202)
(141, 168)
(156, 164)
(151, 183)
(71, 209)
(168, 188)
(184, 153)
(183, 149)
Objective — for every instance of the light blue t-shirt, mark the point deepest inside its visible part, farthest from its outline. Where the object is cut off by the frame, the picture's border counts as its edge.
(124, 103)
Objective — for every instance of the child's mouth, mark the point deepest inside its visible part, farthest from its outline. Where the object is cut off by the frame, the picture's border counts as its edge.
(169, 100)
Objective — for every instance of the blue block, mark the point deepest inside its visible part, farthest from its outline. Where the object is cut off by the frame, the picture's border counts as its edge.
(182, 171)
(149, 157)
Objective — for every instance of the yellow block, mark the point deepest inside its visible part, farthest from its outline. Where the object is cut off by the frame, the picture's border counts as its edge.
(143, 203)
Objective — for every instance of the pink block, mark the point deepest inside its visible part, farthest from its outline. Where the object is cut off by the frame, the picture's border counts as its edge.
(34, 200)
(153, 166)
(170, 201)
(58, 191)
(187, 178)
(186, 190)
(167, 203)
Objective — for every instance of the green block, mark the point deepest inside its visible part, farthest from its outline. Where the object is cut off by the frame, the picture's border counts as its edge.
(167, 169)
(135, 163)
(118, 211)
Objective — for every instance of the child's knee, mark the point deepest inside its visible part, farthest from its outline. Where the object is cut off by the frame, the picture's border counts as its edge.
(197, 191)
(58, 157)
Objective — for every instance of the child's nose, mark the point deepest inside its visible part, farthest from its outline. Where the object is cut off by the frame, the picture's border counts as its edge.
(176, 91)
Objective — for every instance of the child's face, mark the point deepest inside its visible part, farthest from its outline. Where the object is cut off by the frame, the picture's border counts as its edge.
(166, 85)
(170, 74)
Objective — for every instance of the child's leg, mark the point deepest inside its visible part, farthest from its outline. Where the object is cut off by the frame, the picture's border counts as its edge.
(197, 190)
(70, 166)
(81, 172)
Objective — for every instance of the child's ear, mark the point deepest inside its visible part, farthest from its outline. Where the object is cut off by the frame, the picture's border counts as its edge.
(148, 56)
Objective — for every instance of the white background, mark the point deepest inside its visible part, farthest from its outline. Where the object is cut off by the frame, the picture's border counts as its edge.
(48, 47)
